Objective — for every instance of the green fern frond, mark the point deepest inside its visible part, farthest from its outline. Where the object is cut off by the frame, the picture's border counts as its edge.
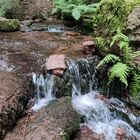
(108, 58)
(135, 54)
(120, 37)
(135, 85)
(121, 71)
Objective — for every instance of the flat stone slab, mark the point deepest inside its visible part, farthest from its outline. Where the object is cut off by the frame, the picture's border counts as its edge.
(56, 62)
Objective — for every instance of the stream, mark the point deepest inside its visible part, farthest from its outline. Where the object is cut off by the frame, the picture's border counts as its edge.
(103, 116)
(25, 53)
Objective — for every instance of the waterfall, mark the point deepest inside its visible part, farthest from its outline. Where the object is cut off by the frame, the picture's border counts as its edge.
(75, 75)
(101, 116)
(43, 90)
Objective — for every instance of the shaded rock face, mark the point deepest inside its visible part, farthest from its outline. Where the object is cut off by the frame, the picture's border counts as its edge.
(14, 95)
(133, 26)
(50, 123)
(31, 9)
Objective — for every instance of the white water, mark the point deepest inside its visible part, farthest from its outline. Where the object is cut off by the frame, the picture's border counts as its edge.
(99, 117)
(44, 90)
(56, 28)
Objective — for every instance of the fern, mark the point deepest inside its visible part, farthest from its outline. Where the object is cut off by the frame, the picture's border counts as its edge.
(76, 13)
(121, 71)
(135, 85)
(108, 58)
(74, 8)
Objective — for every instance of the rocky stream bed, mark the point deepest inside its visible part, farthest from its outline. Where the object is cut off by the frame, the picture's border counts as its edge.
(25, 53)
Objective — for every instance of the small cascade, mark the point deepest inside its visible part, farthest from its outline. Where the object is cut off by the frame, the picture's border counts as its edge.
(101, 113)
(101, 119)
(75, 75)
(106, 117)
(90, 72)
(43, 90)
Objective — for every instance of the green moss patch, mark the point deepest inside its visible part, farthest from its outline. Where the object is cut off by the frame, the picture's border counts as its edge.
(9, 25)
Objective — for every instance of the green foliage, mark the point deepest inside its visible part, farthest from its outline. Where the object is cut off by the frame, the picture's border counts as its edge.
(120, 71)
(101, 44)
(123, 64)
(109, 58)
(111, 15)
(7, 5)
(9, 25)
(64, 135)
(73, 8)
(135, 85)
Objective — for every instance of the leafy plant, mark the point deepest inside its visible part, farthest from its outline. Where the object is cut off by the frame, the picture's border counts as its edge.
(123, 65)
(6, 5)
(73, 8)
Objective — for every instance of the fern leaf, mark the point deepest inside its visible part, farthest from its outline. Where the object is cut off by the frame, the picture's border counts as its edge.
(135, 54)
(76, 13)
(83, 8)
(121, 71)
(108, 58)
(135, 85)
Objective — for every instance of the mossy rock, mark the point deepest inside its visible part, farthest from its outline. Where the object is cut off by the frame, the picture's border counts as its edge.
(9, 25)
(111, 15)
(58, 121)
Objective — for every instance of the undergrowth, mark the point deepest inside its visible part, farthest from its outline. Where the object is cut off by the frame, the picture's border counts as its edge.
(123, 64)
(73, 8)
(7, 5)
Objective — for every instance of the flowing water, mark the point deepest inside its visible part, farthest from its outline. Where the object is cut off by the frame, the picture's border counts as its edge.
(44, 90)
(103, 116)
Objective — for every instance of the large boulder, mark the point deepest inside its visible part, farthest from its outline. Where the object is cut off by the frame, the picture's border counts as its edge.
(9, 25)
(14, 95)
(55, 122)
(133, 26)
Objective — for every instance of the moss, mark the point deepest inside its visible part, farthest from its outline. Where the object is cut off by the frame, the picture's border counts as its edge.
(9, 25)
(111, 15)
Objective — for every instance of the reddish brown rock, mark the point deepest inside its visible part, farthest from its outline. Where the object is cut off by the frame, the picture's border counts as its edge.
(71, 33)
(121, 133)
(56, 63)
(14, 95)
(87, 134)
(89, 47)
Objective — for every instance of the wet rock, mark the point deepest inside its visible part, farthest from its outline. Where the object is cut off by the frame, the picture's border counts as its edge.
(133, 26)
(14, 95)
(39, 26)
(71, 33)
(89, 47)
(120, 133)
(56, 63)
(8, 25)
(87, 134)
(57, 120)
(24, 28)
(27, 22)
(63, 85)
